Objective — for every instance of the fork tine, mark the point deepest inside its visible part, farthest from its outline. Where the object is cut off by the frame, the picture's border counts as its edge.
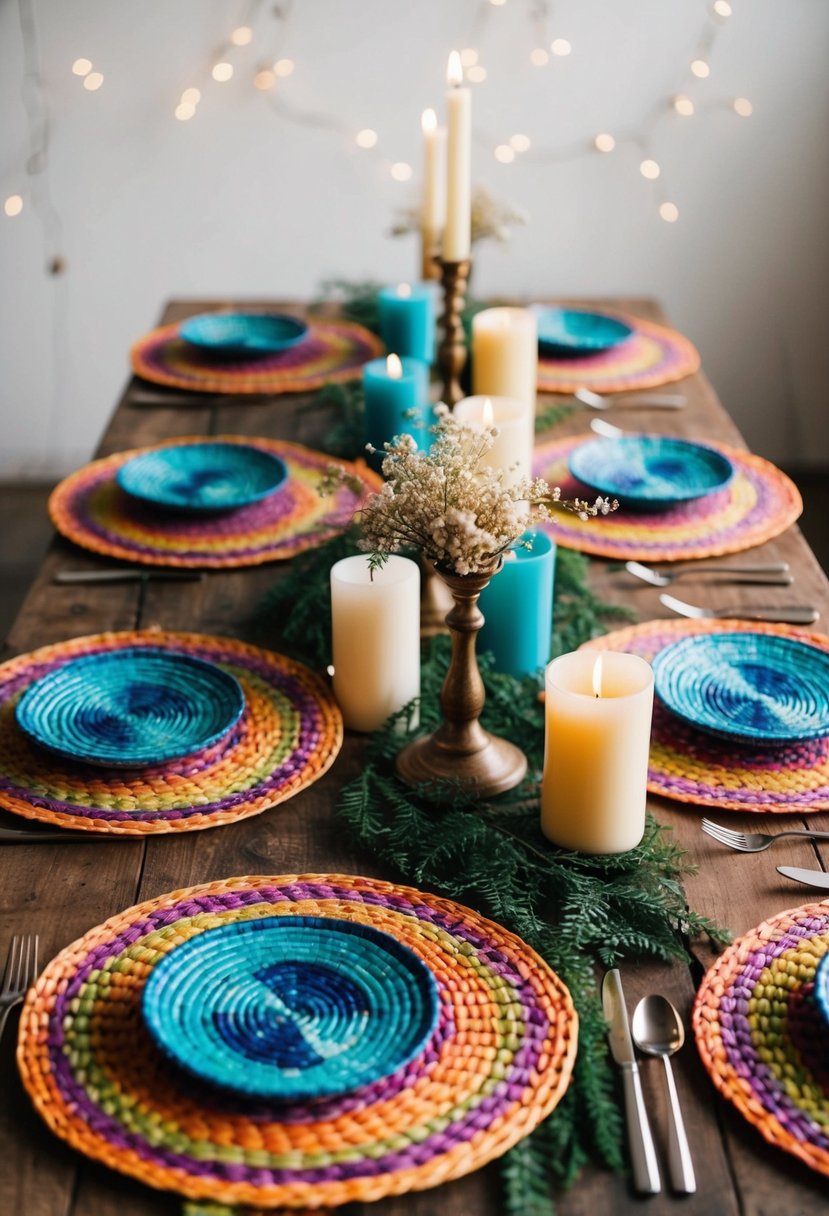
(33, 974)
(22, 963)
(8, 969)
(727, 836)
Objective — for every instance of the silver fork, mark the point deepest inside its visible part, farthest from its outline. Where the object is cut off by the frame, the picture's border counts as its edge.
(753, 842)
(19, 974)
(670, 401)
(772, 573)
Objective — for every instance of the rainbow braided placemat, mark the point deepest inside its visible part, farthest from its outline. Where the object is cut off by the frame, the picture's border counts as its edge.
(690, 765)
(759, 503)
(497, 1063)
(90, 509)
(289, 734)
(332, 350)
(760, 1033)
(653, 355)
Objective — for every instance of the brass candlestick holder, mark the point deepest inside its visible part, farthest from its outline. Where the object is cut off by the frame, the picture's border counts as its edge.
(454, 277)
(429, 254)
(460, 751)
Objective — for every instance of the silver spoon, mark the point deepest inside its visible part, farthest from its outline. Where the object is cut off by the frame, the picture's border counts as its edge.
(670, 401)
(794, 614)
(774, 573)
(658, 1031)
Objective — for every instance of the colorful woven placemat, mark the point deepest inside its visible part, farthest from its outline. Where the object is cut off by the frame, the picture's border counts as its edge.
(760, 1034)
(333, 350)
(289, 735)
(653, 355)
(90, 509)
(690, 765)
(496, 1065)
(759, 503)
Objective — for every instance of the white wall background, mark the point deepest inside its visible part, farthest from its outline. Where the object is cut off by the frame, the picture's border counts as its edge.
(240, 201)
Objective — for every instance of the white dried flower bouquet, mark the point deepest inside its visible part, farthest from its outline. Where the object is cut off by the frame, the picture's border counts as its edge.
(453, 508)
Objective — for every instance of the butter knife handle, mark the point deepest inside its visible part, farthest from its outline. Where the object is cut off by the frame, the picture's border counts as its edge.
(642, 1151)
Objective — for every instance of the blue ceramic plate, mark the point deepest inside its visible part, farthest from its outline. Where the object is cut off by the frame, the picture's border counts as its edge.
(131, 708)
(753, 687)
(650, 472)
(291, 1007)
(243, 333)
(822, 989)
(569, 331)
(202, 476)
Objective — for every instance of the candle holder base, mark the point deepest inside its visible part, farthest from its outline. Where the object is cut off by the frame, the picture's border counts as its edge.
(492, 769)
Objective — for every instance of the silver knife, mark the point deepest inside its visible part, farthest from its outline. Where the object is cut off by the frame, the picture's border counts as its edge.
(812, 878)
(128, 575)
(642, 1151)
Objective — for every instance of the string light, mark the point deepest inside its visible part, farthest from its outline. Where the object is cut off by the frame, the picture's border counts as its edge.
(400, 171)
(222, 71)
(191, 97)
(284, 67)
(264, 80)
(184, 111)
(683, 105)
(505, 154)
(366, 138)
(241, 36)
(700, 68)
(722, 8)
(469, 57)
(520, 143)
(669, 212)
(81, 66)
(497, 3)
(650, 169)
(560, 46)
(476, 74)
(539, 57)
(13, 205)
(743, 107)
(93, 81)
(604, 142)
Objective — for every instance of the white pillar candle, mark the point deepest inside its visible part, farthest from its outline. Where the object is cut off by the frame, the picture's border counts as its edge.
(597, 740)
(375, 625)
(434, 199)
(513, 447)
(457, 232)
(505, 353)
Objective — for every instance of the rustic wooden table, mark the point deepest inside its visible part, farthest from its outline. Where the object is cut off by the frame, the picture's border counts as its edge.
(61, 890)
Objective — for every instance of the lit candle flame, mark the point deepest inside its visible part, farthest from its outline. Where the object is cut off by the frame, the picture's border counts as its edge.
(488, 413)
(429, 120)
(597, 677)
(404, 291)
(394, 367)
(454, 71)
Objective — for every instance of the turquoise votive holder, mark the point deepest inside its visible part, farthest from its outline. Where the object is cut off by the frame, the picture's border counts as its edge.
(408, 320)
(396, 396)
(518, 608)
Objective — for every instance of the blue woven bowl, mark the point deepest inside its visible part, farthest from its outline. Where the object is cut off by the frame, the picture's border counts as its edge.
(131, 708)
(751, 687)
(821, 989)
(650, 472)
(243, 333)
(202, 476)
(570, 331)
(291, 1007)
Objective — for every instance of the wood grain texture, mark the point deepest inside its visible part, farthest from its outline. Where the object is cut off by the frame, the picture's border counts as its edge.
(62, 891)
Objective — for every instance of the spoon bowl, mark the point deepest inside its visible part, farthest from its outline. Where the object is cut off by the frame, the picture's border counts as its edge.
(658, 1031)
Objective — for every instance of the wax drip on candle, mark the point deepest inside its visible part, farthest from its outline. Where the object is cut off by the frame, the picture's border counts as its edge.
(454, 70)
(597, 677)
(394, 368)
(404, 291)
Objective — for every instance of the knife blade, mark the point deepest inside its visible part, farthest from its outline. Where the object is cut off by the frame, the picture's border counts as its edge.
(642, 1151)
(812, 878)
(127, 576)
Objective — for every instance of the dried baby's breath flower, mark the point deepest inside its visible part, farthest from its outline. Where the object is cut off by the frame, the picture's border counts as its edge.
(490, 219)
(453, 508)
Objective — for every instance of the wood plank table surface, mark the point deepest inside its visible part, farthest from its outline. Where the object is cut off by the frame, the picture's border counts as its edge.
(61, 890)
